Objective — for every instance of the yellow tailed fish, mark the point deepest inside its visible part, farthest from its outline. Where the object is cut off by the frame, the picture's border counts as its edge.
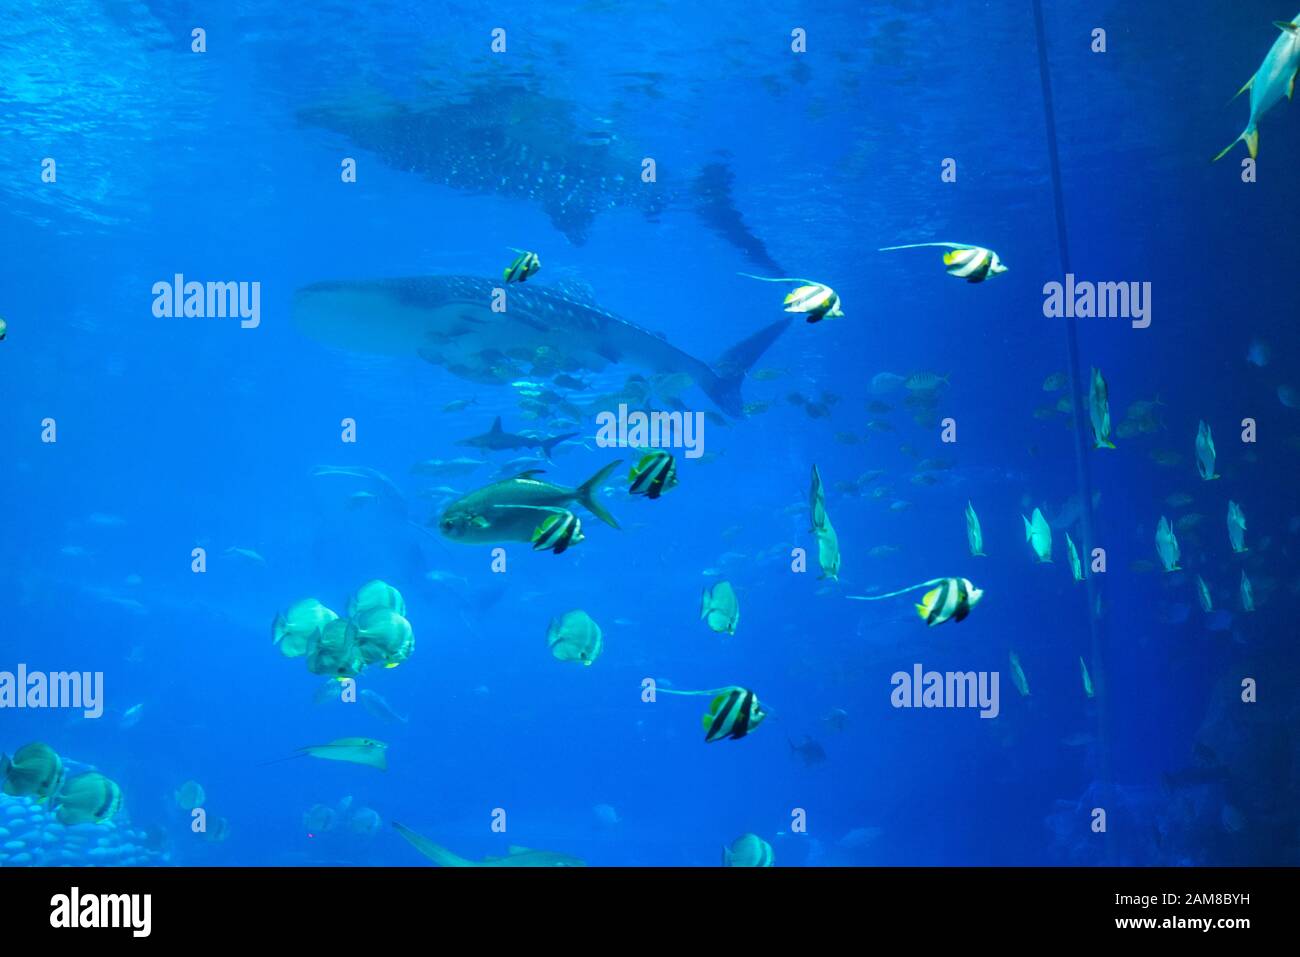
(1099, 411)
(1274, 79)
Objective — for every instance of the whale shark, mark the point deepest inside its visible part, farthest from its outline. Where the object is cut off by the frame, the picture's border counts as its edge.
(542, 332)
(512, 140)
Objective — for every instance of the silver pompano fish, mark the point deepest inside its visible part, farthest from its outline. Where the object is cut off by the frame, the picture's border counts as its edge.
(448, 320)
(511, 510)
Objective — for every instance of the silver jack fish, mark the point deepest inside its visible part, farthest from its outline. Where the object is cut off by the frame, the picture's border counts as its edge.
(448, 321)
(1274, 79)
(510, 511)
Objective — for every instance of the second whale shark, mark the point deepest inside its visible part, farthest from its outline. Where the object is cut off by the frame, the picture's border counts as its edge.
(449, 321)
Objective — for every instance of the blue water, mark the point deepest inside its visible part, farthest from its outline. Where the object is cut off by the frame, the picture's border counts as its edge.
(187, 433)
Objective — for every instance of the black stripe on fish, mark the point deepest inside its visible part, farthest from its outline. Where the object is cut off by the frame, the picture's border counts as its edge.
(724, 719)
(963, 601)
(939, 610)
(746, 709)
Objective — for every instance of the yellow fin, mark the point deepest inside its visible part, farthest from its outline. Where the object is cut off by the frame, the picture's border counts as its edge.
(926, 604)
(1252, 142)
(1249, 84)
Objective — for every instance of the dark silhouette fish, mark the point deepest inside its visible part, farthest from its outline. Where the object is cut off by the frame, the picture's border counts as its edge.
(448, 321)
(497, 439)
(511, 140)
(809, 751)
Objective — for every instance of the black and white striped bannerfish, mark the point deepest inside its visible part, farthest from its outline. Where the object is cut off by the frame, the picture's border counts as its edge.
(951, 600)
(733, 713)
(557, 531)
(525, 265)
(816, 300)
(972, 263)
(655, 474)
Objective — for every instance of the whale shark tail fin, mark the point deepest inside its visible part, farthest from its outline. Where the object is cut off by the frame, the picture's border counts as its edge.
(723, 387)
(715, 205)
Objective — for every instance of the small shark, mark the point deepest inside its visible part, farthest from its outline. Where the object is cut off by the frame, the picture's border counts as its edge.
(449, 321)
(518, 856)
(1274, 79)
(496, 439)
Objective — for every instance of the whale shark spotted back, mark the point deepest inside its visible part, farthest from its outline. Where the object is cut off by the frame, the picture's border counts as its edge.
(448, 321)
(511, 140)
